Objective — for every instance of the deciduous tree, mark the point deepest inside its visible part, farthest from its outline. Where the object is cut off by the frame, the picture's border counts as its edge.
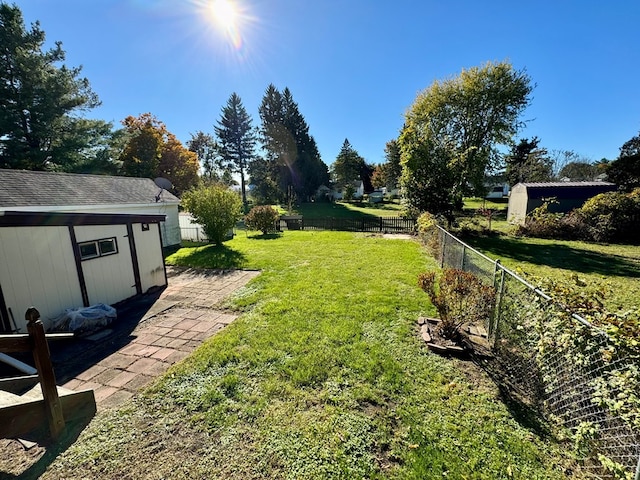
(178, 164)
(152, 151)
(141, 154)
(455, 126)
(208, 152)
(41, 101)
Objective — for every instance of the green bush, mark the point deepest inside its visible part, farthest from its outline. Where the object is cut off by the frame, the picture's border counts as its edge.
(611, 216)
(607, 217)
(263, 218)
(460, 298)
(216, 208)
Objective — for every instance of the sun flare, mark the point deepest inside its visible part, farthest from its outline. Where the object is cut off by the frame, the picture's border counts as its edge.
(225, 13)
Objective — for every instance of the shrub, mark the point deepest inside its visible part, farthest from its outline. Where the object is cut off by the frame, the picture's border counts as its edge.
(610, 217)
(607, 217)
(426, 226)
(262, 218)
(216, 208)
(542, 224)
(459, 297)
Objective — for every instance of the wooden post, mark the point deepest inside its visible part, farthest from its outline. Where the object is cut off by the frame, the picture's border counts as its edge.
(41, 356)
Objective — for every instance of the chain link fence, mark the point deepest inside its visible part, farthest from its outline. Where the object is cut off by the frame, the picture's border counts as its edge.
(555, 364)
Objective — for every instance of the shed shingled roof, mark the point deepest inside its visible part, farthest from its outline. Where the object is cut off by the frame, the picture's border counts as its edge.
(23, 188)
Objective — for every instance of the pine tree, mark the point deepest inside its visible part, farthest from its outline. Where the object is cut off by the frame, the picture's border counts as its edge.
(292, 154)
(236, 138)
(38, 99)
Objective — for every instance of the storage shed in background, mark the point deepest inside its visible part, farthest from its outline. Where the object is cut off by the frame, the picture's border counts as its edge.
(29, 191)
(525, 197)
(55, 261)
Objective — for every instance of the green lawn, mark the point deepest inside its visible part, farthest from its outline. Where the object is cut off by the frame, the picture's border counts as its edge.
(322, 377)
(348, 210)
(617, 267)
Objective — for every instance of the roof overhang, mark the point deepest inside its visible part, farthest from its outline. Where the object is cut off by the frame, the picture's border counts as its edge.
(56, 219)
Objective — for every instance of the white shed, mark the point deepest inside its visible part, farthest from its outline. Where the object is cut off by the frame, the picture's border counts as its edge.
(29, 191)
(55, 261)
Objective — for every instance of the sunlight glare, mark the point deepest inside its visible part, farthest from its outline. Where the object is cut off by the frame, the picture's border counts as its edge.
(224, 12)
(227, 16)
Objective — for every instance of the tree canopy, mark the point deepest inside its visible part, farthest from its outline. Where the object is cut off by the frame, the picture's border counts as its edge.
(152, 151)
(453, 129)
(291, 164)
(236, 139)
(42, 101)
(528, 162)
(214, 170)
(625, 170)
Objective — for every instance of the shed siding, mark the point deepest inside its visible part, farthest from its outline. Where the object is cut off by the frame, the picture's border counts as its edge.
(517, 208)
(38, 269)
(170, 228)
(109, 279)
(150, 258)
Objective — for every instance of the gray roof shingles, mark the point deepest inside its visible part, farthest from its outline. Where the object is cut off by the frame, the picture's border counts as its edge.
(22, 188)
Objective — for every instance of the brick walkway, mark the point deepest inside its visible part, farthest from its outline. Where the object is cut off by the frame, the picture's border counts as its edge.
(178, 322)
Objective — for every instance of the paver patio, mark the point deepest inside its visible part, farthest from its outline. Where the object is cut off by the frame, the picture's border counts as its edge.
(177, 322)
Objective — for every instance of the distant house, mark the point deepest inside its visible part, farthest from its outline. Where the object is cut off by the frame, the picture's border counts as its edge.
(497, 191)
(358, 189)
(525, 197)
(25, 191)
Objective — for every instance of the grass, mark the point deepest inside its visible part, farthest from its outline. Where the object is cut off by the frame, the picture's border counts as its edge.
(322, 377)
(348, 209)
(616, 267)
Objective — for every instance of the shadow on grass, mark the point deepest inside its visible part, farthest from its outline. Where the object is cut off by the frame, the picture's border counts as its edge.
(333, 210)
(53, 448)
(557, 256)
(212, 256)
(265, 236)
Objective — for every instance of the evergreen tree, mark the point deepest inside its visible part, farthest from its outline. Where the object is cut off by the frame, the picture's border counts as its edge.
(348, 165)
(527, 162)
(237, 139)
(39, 98)
(625, 170)
(292, 156)
(393, 169)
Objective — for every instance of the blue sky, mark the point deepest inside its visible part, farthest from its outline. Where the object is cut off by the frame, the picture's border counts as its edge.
(355, 66)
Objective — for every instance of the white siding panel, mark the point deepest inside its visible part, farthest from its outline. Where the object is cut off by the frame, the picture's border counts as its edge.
(150, 258)
(37, 268)
(109, 279)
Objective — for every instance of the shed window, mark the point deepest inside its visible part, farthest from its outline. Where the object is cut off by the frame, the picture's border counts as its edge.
(98, 248)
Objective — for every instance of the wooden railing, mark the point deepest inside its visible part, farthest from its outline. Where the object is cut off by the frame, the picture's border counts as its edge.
(35, 341)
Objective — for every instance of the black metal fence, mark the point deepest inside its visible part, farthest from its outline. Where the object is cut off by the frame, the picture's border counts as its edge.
(364, 224)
